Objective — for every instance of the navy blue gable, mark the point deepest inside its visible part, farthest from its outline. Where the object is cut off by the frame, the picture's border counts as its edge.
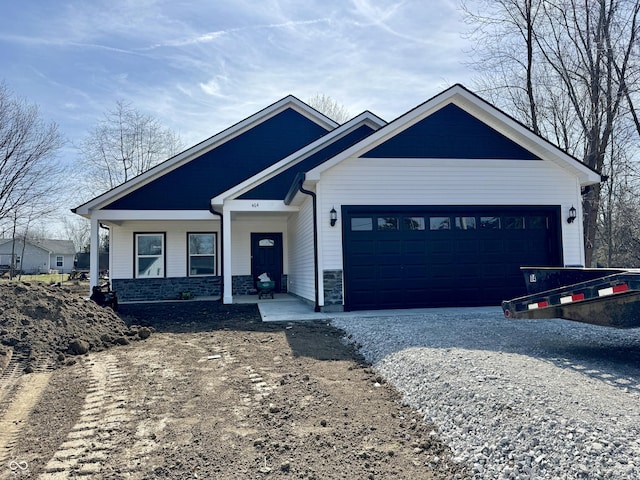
(450, 133)
(277, 187)
(191, 186)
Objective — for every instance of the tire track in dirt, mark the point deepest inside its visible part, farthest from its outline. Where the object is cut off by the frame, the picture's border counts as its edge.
(104, 415)
(19, 393)
(258, 389)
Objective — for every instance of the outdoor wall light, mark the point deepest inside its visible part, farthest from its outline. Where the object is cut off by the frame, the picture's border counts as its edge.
(333, 217)
(572, 214)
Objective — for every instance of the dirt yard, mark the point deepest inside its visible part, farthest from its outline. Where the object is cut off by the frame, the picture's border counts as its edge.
(212, 393)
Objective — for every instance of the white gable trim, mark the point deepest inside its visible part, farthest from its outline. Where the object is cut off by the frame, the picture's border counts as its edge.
(115, 216)
(203, 147)
(365, 118)
(482, 110)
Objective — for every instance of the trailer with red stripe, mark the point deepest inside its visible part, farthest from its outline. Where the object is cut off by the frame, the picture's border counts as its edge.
(612, 300)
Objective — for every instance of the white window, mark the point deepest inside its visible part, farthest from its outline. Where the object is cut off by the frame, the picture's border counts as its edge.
(59, 261)
(202, 254)
(149, 259)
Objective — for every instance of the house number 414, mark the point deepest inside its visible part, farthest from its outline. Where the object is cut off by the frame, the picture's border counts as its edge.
(255, 205)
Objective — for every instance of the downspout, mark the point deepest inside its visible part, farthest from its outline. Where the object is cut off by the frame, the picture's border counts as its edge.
(315, 238)
(221, 250)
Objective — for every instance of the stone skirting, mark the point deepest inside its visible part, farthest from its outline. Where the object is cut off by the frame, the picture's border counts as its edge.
(332, 282)
(151, 289)
(242, 285)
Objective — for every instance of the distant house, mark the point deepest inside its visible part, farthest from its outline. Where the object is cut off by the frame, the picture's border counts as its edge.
(439, 207)
(42, 256)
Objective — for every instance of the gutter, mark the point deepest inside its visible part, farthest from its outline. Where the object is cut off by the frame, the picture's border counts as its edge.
(299, 180)
(221, 251)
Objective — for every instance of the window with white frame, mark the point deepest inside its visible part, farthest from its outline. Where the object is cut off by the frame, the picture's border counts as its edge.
(202, 254)
(59, 261)
(149, 253)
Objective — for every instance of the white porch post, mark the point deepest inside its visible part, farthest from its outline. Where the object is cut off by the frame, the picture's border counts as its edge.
(227, 296)
(319, 226)
(94, 254)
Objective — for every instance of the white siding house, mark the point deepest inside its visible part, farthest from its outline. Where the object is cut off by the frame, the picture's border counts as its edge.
(439, 207)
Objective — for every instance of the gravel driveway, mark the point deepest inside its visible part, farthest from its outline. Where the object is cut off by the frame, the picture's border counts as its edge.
(515, 399)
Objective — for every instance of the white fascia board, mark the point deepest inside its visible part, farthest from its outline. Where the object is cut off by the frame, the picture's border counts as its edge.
(205, 146)
(482, 110)
(309, 112)
(385, 132)
(365, 118)
(123, 215)
(526, 138)
(258, 206)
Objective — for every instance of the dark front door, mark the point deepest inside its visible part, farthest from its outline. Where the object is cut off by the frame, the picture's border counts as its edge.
(266, 256)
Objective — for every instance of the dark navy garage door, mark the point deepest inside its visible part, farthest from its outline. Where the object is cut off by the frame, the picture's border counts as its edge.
(408, 257)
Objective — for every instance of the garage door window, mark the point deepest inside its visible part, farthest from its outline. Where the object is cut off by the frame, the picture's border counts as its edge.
(465, 223)
(490, 223)
(387, 223)
(361, 224)
(514, 223)
(439, 223)
(537, 223)
(414, 223)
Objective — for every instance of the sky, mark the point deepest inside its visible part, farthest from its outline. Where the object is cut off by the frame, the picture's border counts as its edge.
(200, 66)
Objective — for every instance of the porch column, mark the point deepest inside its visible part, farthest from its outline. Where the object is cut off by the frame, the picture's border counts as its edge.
(227, 296)
(94, 253)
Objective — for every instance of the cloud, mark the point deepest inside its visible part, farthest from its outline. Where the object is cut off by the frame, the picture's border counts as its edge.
(184, 42)
(201, 66)
(212, 87)
(210, 37)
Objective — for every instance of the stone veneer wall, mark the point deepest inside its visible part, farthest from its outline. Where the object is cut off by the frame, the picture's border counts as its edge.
(243, 285)
(333, 299)
(150, 289)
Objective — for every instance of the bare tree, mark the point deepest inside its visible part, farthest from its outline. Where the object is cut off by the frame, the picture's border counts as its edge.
(618, 231)
(506, 51)
(573, 62)
(125, 143)
(21, 232)
(30, 172)
(78, 230)
(329, 107)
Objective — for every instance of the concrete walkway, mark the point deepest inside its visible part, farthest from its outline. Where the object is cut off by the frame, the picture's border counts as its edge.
(286, 308)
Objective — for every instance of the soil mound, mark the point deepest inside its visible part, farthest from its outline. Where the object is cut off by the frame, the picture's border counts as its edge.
(43, 325)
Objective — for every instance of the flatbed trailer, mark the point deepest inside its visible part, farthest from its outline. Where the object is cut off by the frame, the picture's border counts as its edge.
(611, 300)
